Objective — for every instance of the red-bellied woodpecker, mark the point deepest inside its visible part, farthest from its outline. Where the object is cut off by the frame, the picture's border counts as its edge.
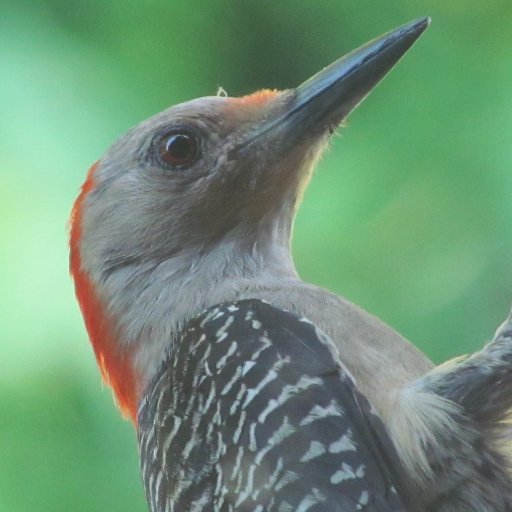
(250, 389)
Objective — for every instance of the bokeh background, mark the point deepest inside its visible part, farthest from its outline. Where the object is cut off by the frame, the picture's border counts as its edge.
(410, 214)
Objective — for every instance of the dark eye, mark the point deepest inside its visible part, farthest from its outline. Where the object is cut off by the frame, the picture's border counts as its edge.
(179, 149)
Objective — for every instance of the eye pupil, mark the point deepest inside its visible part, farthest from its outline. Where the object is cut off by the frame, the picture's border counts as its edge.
(178, 149)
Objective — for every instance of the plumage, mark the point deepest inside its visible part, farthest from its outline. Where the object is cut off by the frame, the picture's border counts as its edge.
(255, 409)
(181, 231)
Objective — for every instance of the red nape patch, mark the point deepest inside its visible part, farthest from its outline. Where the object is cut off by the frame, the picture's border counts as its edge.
(115, 363)
(258, 98)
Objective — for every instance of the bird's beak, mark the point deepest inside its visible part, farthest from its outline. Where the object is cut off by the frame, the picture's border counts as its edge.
(321, 103)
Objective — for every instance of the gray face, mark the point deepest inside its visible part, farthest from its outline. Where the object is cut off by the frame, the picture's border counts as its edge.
(186, 179)
(194, 207)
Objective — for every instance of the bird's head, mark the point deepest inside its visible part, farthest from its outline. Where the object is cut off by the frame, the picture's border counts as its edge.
(202, 193)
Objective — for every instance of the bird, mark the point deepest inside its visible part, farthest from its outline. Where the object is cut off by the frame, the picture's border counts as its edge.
(251, 389)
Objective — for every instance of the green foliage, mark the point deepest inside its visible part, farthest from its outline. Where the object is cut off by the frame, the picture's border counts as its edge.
(409, 214)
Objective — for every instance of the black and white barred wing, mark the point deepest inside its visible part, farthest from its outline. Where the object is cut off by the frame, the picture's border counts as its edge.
(253, 411)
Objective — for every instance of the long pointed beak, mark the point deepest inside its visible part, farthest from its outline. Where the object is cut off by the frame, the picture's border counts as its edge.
(321, 103)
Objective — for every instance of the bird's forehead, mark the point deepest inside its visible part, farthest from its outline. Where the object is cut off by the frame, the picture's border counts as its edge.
(204, 112)
(208, 106)
(218, 116)
(215, 110)
(208, 110)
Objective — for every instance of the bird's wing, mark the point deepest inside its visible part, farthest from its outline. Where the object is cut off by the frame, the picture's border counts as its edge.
(254, 411)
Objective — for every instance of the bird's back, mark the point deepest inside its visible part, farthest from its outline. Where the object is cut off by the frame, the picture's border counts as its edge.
(255, 411)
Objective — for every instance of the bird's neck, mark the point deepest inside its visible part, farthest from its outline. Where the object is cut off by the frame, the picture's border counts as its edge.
(151, 302)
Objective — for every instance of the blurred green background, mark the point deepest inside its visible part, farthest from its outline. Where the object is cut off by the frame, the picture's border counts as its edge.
(410, 214)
